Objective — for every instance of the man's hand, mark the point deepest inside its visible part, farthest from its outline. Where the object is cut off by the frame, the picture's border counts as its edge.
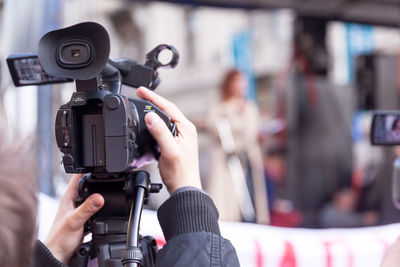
(179, 163)
(67, 231)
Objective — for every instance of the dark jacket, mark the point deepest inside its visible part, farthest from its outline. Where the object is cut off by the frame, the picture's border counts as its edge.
(189, 220)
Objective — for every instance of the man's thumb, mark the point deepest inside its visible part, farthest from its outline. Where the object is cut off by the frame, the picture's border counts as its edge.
(87, 209)
(159, 130)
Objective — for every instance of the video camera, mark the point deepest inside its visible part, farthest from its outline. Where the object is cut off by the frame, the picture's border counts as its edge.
(385, 130)
(102, 132)
(98, 130)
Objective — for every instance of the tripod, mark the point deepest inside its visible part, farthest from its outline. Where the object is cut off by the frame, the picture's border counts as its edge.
(116, 241)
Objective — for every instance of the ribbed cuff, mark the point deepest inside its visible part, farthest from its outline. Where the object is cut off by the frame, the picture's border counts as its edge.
(43, 257)
(186, 188)
(188, 212)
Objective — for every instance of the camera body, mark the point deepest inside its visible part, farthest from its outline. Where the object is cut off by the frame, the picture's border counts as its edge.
(102, 132)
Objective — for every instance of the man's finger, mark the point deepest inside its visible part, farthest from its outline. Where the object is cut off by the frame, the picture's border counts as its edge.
(72, 188)
(162, 103)
(159, 130)
(86, 210)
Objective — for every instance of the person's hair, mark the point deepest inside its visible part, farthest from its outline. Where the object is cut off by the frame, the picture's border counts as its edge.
(227, 82)
(18, 200)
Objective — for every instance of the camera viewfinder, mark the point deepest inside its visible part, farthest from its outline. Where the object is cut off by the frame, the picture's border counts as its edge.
(75, 54)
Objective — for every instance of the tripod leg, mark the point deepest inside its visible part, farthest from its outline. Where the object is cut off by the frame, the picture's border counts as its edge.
(133, 255)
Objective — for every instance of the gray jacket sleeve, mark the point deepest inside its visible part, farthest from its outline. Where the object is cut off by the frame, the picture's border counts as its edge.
(44, 258)
(189, 221)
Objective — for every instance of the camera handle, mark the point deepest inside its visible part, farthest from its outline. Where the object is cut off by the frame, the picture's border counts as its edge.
(129, 72)
(108, 231)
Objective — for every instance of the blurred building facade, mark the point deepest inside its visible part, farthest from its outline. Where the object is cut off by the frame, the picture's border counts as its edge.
(319, 141)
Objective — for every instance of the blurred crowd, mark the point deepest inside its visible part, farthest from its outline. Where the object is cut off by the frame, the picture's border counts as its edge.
(271, 93)
(247, 168)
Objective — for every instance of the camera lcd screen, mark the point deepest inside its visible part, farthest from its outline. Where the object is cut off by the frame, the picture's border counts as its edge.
(385, 128)
(26, 70)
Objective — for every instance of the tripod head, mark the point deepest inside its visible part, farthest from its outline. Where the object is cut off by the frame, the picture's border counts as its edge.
(115, 227)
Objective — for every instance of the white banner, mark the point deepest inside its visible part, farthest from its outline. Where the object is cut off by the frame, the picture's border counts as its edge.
(268, 246)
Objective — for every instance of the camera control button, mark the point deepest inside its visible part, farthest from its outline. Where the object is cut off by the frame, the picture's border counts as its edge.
(112, 102)
(68, 160)
(66, 141)
(65, 118)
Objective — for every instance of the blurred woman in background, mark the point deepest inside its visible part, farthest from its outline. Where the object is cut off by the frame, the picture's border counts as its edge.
(234, 123)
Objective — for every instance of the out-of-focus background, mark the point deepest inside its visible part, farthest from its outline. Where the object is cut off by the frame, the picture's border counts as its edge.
(284, 140)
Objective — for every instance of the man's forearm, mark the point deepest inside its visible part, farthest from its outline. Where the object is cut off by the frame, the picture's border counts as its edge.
(188, 212)
(189, 220)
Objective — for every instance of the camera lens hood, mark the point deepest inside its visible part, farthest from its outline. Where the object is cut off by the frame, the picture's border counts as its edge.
(78, 52)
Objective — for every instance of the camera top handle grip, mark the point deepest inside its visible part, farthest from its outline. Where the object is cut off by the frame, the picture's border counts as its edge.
(153, 61)
(136, 75)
